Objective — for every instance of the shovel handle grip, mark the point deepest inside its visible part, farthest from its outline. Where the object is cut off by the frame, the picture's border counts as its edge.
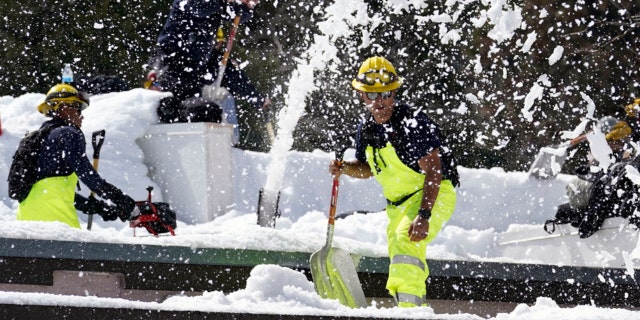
(97, 138)
(334, 200)
(334, 189)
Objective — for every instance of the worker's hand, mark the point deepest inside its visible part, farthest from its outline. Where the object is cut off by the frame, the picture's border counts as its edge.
(101, 208)
(419, 229)
(126, 205)
(266, 104)
(335, 168)
(128, 208)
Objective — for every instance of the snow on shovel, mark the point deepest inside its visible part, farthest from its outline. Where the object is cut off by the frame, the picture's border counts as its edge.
(215, 92)
(333, 270)
(550, 159)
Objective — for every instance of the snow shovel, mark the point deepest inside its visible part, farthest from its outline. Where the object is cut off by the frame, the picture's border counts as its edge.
(333, 271)
(97, 138)
(215, 92)
(550, 159)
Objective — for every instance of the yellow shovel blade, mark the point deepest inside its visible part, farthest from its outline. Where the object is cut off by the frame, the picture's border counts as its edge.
(335, 277)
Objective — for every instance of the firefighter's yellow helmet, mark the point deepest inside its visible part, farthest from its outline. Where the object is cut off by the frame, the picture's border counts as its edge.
(376, 74)
(62, 93)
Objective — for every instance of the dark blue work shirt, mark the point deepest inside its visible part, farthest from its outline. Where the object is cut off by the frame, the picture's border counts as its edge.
(412, 134)
(64, 152)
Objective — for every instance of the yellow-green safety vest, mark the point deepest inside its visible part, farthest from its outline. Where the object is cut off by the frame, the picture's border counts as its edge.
(51, 199)
(395, 177)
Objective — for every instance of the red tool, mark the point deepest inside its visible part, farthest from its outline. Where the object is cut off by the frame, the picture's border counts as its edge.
(155, 217)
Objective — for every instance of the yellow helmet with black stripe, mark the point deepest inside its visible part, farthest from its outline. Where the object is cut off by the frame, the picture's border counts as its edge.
(62, 93)
(376, 74)
(633, 108)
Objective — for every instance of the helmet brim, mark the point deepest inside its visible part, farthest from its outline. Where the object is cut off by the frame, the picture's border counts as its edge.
(377, 87)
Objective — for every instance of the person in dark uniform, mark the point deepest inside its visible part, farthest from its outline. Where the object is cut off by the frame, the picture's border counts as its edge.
(62, 161)
(187, 57)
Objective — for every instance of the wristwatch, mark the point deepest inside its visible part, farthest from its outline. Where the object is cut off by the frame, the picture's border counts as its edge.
(424, 213)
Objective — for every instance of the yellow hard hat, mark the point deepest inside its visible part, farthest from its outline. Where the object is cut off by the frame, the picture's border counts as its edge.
(633, 108)
(62, 93)
(619, 131)
(376, 74)
(220, 35)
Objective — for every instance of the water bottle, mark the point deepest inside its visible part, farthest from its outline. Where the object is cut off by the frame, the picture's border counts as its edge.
(67, 73)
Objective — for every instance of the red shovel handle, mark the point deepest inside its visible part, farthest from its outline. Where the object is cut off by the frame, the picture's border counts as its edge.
(334, 199)
(334, 190)
(232, 36)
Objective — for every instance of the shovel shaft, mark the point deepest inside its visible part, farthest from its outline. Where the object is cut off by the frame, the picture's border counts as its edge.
(97, 138)
(575, 141)
(334, 191)
(227, 52)
(333, 270)
(232, 36)
(332, 210)
(334, 202)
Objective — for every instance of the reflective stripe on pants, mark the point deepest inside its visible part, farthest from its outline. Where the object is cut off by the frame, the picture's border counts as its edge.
(409, 300)
(408, 270)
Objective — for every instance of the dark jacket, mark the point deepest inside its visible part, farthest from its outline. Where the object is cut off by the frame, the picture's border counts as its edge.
(64, 152)
(185, 51)
(412, 134)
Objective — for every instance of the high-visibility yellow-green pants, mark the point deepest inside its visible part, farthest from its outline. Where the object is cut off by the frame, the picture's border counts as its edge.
(408, 270)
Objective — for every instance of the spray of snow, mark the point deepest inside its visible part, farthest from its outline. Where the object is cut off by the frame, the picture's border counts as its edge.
(505, 20)
(340, 19)
(535, 93)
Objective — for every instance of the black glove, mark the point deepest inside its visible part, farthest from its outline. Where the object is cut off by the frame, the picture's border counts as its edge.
(106, 211)
(126, 205)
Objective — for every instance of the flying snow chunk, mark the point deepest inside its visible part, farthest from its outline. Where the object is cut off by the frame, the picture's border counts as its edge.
(556, 55)
(441, 18)
(452, 36)
(600, 149)
(591, 106)
(534, 94)
(505, 22)
(472, 98)
(98, 25)
(531, 38)
(633, 174)
(477, 67)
